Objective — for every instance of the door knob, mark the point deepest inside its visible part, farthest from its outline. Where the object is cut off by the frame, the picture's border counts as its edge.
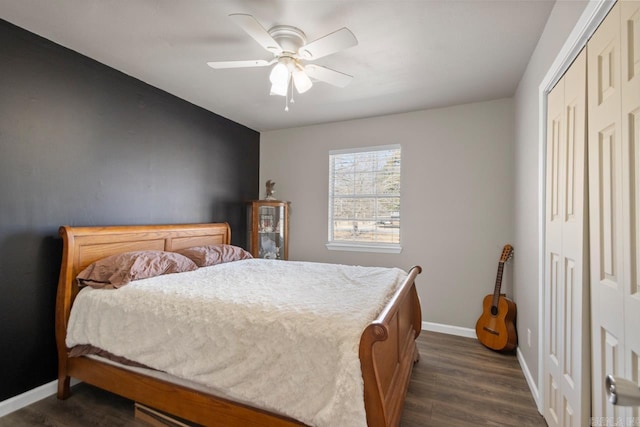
(622, 392)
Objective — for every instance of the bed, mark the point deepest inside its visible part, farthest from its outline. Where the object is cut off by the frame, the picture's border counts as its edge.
(387, 349)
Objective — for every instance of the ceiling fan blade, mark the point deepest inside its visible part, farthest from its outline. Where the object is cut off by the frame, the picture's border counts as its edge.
(252, 27)
(331, 43)
(328, 75)
(219, 65)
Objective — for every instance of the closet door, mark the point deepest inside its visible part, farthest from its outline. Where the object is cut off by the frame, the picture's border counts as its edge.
(614, 165)
(630, 94)
(566, 346)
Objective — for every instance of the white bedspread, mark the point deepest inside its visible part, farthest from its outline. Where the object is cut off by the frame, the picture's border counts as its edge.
(280, 335)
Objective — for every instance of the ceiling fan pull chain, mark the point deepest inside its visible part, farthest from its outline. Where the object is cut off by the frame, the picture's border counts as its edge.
(291, 100)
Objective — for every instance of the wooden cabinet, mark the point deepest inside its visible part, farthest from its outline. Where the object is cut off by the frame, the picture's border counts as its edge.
(268, 233)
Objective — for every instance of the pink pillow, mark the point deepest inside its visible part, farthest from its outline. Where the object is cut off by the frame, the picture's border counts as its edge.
(117, 270)
(204, 256)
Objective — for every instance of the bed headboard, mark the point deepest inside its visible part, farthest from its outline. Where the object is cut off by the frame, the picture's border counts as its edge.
(84, 245)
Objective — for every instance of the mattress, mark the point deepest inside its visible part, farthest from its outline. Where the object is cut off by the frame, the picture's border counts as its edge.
(280, 335)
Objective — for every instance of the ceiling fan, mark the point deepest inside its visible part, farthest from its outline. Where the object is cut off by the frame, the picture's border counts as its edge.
(291, 52)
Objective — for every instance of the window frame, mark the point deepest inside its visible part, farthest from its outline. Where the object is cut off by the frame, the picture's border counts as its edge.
(355, 246)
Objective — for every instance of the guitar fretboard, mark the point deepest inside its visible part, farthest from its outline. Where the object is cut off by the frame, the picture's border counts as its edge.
(496, 289)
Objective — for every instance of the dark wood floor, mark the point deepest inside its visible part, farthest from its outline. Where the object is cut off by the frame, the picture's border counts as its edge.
(457, 382)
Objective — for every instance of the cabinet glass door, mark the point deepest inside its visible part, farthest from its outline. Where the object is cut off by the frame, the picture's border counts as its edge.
(270, 231)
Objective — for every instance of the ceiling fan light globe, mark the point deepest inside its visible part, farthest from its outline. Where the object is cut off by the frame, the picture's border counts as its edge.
(301, 81)
(279, 74)
(280, 90)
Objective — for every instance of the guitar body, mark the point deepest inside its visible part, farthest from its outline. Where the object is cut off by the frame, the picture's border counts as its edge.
(498, 332)
(496, 327)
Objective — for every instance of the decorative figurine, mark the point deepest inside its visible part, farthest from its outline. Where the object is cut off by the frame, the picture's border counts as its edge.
(270, 184)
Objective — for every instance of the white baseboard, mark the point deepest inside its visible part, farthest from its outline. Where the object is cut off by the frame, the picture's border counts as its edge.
(28, 397)
(527, 376)
(448, 329)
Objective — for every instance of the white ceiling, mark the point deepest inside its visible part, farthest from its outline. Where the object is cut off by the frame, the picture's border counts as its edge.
(412, 54)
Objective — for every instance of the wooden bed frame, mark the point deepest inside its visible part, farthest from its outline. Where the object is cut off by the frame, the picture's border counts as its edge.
(387, 346)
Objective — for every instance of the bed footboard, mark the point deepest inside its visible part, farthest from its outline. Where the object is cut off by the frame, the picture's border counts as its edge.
(387, 354)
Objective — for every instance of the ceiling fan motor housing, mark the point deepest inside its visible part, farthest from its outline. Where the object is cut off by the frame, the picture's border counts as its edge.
(289, 38)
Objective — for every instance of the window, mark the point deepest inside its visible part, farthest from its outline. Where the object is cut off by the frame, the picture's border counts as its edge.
(364, 199)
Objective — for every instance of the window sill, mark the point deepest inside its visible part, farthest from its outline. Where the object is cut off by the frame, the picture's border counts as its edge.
(388, 248)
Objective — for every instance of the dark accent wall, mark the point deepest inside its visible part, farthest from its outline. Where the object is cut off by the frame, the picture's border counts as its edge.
(84, 144)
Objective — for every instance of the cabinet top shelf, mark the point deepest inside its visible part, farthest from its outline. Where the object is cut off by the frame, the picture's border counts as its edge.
(266, 202)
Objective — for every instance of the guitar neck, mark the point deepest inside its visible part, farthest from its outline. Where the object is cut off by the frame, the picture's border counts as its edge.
(496, 289)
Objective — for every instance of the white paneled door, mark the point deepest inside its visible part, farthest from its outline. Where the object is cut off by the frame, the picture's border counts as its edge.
(614, 183)
(566, 345)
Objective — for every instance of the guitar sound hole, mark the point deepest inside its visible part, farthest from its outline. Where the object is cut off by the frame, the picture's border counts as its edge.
(494, 310)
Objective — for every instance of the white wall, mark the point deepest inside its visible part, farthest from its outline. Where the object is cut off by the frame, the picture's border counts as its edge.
(526, 274)
(457, 192)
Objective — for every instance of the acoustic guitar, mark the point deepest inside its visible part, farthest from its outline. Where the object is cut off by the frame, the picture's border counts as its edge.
(495, 327)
